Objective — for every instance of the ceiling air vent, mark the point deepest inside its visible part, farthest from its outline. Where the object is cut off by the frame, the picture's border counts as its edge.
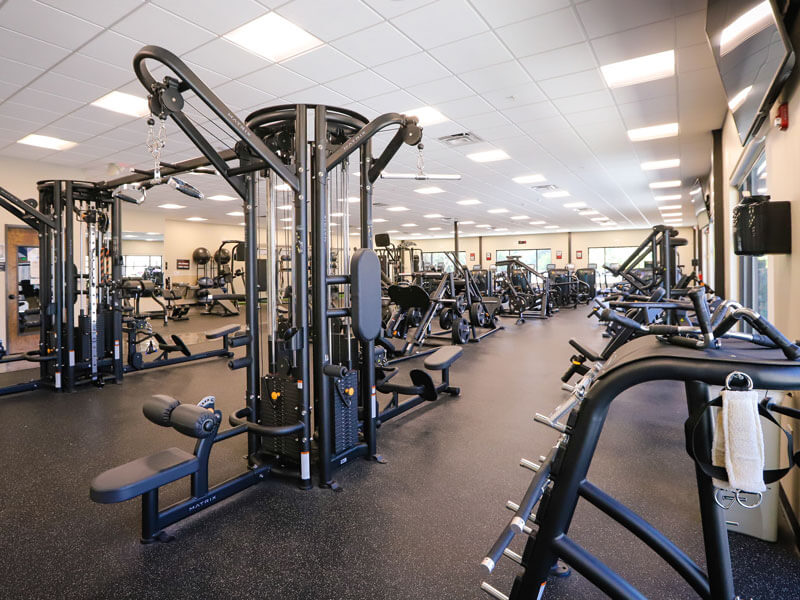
(547, 187)
(460, 139)
(379, 204)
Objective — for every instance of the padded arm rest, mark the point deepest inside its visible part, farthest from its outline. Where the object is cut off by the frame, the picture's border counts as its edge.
(443, 358)
(222, 331)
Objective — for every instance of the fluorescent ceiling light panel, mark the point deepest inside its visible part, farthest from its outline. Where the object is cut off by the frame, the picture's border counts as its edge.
(669, 207)
(286, 219)
(397, 208)
(427, 115)
(519, 217)
(337, 214)
(283, 187)
(671, 214)
(586, 213)
(484, 226)
(537, 222)
(152, 233)
(653, 132)
(434, 228)
(535, 178)
(196, 219)
(171, 206)
(551, 226)
(242, 223)
(668, 163)
(739, 98)
(221, 198)
(668, 197)
(379, 220)
(466, 222)
(488, 156)
(598, 219)
(659, 185)
(273, 37)
(429, 190)
(408, 225)
(497, 211)
(746, 26)
(639, 69)
(434, 216)
(284, 207)
(469, 202)
(353, 199)
(126, 104)
(392, 231)
(45, 141)
(556, 194)
(575, 205)
(237, 213)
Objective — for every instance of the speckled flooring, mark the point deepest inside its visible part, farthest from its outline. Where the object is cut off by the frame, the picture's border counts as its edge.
(416, 527)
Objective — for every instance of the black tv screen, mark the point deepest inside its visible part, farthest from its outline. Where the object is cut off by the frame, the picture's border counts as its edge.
(754, 57)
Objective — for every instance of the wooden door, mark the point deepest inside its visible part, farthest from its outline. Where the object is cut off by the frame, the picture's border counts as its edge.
(22, 288)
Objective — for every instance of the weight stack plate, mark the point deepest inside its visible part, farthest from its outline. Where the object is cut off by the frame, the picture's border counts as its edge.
(280, 405)
(345, 412)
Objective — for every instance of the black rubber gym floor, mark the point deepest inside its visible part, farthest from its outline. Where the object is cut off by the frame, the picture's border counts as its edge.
(416, 527)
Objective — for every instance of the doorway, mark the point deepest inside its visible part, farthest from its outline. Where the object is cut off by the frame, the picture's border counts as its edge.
(22, 289)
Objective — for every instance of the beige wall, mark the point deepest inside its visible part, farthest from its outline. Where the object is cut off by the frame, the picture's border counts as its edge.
(182, 237)
(142, 248)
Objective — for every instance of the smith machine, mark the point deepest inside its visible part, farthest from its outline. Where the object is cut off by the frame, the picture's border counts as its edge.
(281, 160)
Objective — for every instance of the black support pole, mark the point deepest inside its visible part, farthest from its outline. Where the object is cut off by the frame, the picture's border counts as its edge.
(66, 260)
(58, 284)
(369, 398)
(116, 294)
(252, 306)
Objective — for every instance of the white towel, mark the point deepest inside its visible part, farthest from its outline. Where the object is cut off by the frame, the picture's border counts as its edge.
(739, 438)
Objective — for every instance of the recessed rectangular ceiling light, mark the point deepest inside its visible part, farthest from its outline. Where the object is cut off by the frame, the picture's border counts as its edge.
(408, 225)
(586, 213)
(237, 213)
(196, 219)
(427, 115)
(353, 199)
(669, 207)
(658, 185)
(502, 229)
(668, 163)
(391, 231)
(653, 132)
(556, 194)
(551, 226)
(396, 208)
(696, 190)
(671, 214)
(497, 211)
(434, 216)
(668, 197)
(273, 37)
(379, 220)
(45, 141)
(466, 222)
(171, 206)
(537, 223)
(337, 214)
(468, 202)
(126, 104)
(575, 205)
(429, 190)
(535, 178)
(488, 156)
(484, 226)
(639, 69)
(434, 228)
(745, 27)
(739, 98)
(519, 217)
(286, 219)
(221, 198)
(242, 223)
(598, 219)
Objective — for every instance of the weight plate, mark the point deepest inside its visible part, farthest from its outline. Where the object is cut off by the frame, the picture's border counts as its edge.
(460, 331)
(446, 318)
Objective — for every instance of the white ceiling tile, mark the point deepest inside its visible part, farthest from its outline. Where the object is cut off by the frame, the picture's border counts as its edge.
(100, 13)
(114, 49)
(52, 102)
(80, 67)
(153, 25)
(28, 50)
(472, 53)
(517, 95)
(465, 107)
(329, 20)
(441, 90)
(111, 119)
(323, 64)
(412, 70)
(210, 78)
(562, 61)
(238, 95)
(490, 119)
(441, 22)
(549, 124)
(19, 73)
(496, 77)
(393, 8)
(219, 17)
(25, 151)
(277, 81)
(7, 89)
(364, 111)
(396, 101)
(691, 29)
(604, 17)
(545, 32)
(643, 91)
(576, 83)
(319, 95)
(375, 45)
(84, 126)
(19, 126)
(531, 112)
(502, 12)
(15, 110)
(648, 39)
(692, 58)
(607, 114)
(46, 23)
(222, 56)
(579, 102)
(361, 85)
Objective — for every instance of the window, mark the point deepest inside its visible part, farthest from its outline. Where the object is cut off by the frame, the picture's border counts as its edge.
(133, 265)
(609, 255)
(753, 291)
(537, 258)
(439, 261)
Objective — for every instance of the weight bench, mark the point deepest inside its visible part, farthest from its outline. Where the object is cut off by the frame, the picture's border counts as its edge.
(144, 476)
(136, 360)
(423, 388)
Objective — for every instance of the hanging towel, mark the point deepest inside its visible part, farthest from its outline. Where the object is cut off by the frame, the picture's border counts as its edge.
(738, 443)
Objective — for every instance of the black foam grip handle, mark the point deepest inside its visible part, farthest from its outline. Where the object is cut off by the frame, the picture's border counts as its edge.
(790, 350)
(193, 420)
(663, 329)
(698, 298)
(239, 363)
(686, 342)
(159, 408)
(763, 340)
(610, 315)
(725, 325)
(497, 549)
(334, 370)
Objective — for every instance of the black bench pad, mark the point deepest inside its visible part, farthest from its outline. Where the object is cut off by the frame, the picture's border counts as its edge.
(142, 475)
(222, 331)
(443, 358)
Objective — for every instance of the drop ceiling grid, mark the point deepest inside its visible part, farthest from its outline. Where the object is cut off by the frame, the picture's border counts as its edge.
(493, 179)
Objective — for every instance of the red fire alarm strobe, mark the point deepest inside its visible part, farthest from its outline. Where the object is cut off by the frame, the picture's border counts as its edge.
(558, 253)
(472, 256)
(488, 256)
(578, 253)
(782, 117)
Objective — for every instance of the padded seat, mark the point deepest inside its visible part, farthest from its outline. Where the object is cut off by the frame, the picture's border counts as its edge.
(222, 331)
(409, 296)
(142, 475)
(442, 358)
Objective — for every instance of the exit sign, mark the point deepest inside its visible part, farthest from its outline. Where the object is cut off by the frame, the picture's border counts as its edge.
(522, 241)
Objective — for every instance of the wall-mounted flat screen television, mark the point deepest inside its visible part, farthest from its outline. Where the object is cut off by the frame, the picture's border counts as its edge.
(754, 57)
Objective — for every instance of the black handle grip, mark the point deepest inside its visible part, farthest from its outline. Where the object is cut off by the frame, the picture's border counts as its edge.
(663, 329)
(497, 549)
(239, 363)
(790, 350)
(698, 298)
(725, 325)
(610, 315)
(686, 342)
(334, 370)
